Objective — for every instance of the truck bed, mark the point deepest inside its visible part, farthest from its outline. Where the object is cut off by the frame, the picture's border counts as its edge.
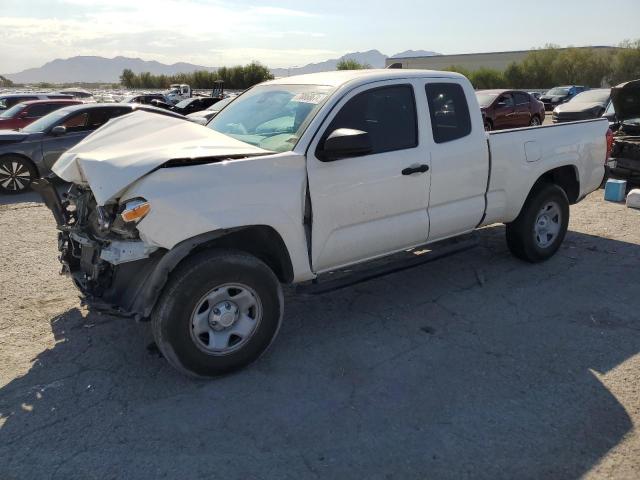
(519, 156)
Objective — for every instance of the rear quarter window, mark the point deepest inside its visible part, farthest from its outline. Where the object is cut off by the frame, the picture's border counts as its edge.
(449, 111)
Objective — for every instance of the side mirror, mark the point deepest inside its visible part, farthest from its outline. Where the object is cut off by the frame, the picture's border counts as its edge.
(23, 114)
(501, 104)
(345, 142)
(59, 130)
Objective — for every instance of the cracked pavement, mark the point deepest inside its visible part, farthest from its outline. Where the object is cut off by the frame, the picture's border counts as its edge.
(473, 366)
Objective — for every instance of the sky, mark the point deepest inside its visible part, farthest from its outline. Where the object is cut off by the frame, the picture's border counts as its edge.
(293, 33)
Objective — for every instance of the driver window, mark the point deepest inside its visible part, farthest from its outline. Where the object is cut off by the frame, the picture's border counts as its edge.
(388, 114)
(76, 122)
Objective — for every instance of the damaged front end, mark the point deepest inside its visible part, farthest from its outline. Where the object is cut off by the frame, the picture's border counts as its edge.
(625, 156)
(100, 247)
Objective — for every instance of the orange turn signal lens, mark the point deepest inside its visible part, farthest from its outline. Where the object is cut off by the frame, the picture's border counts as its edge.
(135, 211)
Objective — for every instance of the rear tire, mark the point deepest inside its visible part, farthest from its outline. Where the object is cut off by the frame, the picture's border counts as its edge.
(220, 310)
(535, 121)
(537, 233)
(16, 174)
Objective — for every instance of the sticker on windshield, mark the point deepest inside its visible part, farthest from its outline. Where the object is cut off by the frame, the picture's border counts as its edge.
(309, 97)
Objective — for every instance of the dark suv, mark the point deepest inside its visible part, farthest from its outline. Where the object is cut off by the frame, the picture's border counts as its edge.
(509, 109)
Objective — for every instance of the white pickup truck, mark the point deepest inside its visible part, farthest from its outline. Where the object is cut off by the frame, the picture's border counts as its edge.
(197, 227)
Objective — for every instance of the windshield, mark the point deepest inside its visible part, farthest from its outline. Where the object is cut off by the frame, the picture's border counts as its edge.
(558, 92)
(13, 111)
(486, 99)
(43, 124)
(598, 96)
(272, 117)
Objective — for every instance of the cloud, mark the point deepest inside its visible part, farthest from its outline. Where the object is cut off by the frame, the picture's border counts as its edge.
(209, 33)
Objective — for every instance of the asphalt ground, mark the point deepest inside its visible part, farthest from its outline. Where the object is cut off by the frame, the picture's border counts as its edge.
(473, 366)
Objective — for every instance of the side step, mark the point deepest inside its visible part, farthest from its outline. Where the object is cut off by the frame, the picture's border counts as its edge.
(409, 259)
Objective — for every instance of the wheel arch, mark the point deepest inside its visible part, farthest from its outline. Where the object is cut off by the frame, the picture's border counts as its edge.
(566, 177)
(262, 241)
(23, 156)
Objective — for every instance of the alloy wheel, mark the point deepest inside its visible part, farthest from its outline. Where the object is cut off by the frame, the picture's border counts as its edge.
(14, 175)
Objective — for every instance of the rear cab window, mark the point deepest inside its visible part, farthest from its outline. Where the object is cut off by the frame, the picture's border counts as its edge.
(449, 111)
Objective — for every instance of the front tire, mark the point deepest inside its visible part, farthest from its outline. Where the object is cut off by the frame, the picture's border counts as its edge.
(16, 174)
(537, 233)
(220, 311)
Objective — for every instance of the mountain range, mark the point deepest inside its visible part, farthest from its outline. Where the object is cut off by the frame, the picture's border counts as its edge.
(92, 69)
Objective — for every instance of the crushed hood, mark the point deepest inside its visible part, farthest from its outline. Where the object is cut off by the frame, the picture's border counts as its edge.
(131, 146)
(626, 100)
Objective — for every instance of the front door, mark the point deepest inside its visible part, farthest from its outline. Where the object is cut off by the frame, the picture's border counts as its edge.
(55, 145)
(78, 125)
(365, 206)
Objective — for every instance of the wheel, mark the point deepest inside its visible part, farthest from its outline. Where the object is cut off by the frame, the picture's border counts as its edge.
(537, 233)
(535, 121)
(220, 311)
(16, 174)
(488, 126)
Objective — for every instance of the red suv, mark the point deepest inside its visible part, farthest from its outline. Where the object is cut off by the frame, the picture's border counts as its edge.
(509, 109)
(22, 114)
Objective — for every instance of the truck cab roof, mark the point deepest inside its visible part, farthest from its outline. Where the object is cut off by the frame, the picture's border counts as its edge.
(343, 77)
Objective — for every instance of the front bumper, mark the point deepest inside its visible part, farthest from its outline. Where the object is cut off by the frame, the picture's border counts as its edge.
(110, 279)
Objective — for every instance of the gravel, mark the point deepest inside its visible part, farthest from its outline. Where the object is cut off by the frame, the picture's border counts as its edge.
(474, 366)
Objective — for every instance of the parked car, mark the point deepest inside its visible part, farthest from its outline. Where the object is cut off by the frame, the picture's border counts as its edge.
(625, 154)
(509, 109)
(31, 152)
(79, 93)
(296, 178)
(144, 99)
(8, 100)
(585, 105)
(22, 114)
(194, 104)
(190, 105)
(203, 116)
(559, 95)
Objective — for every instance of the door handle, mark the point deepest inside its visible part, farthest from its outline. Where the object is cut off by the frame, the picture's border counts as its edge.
(415, 169)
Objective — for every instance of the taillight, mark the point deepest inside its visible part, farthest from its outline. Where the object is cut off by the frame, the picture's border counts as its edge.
(609, 144)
